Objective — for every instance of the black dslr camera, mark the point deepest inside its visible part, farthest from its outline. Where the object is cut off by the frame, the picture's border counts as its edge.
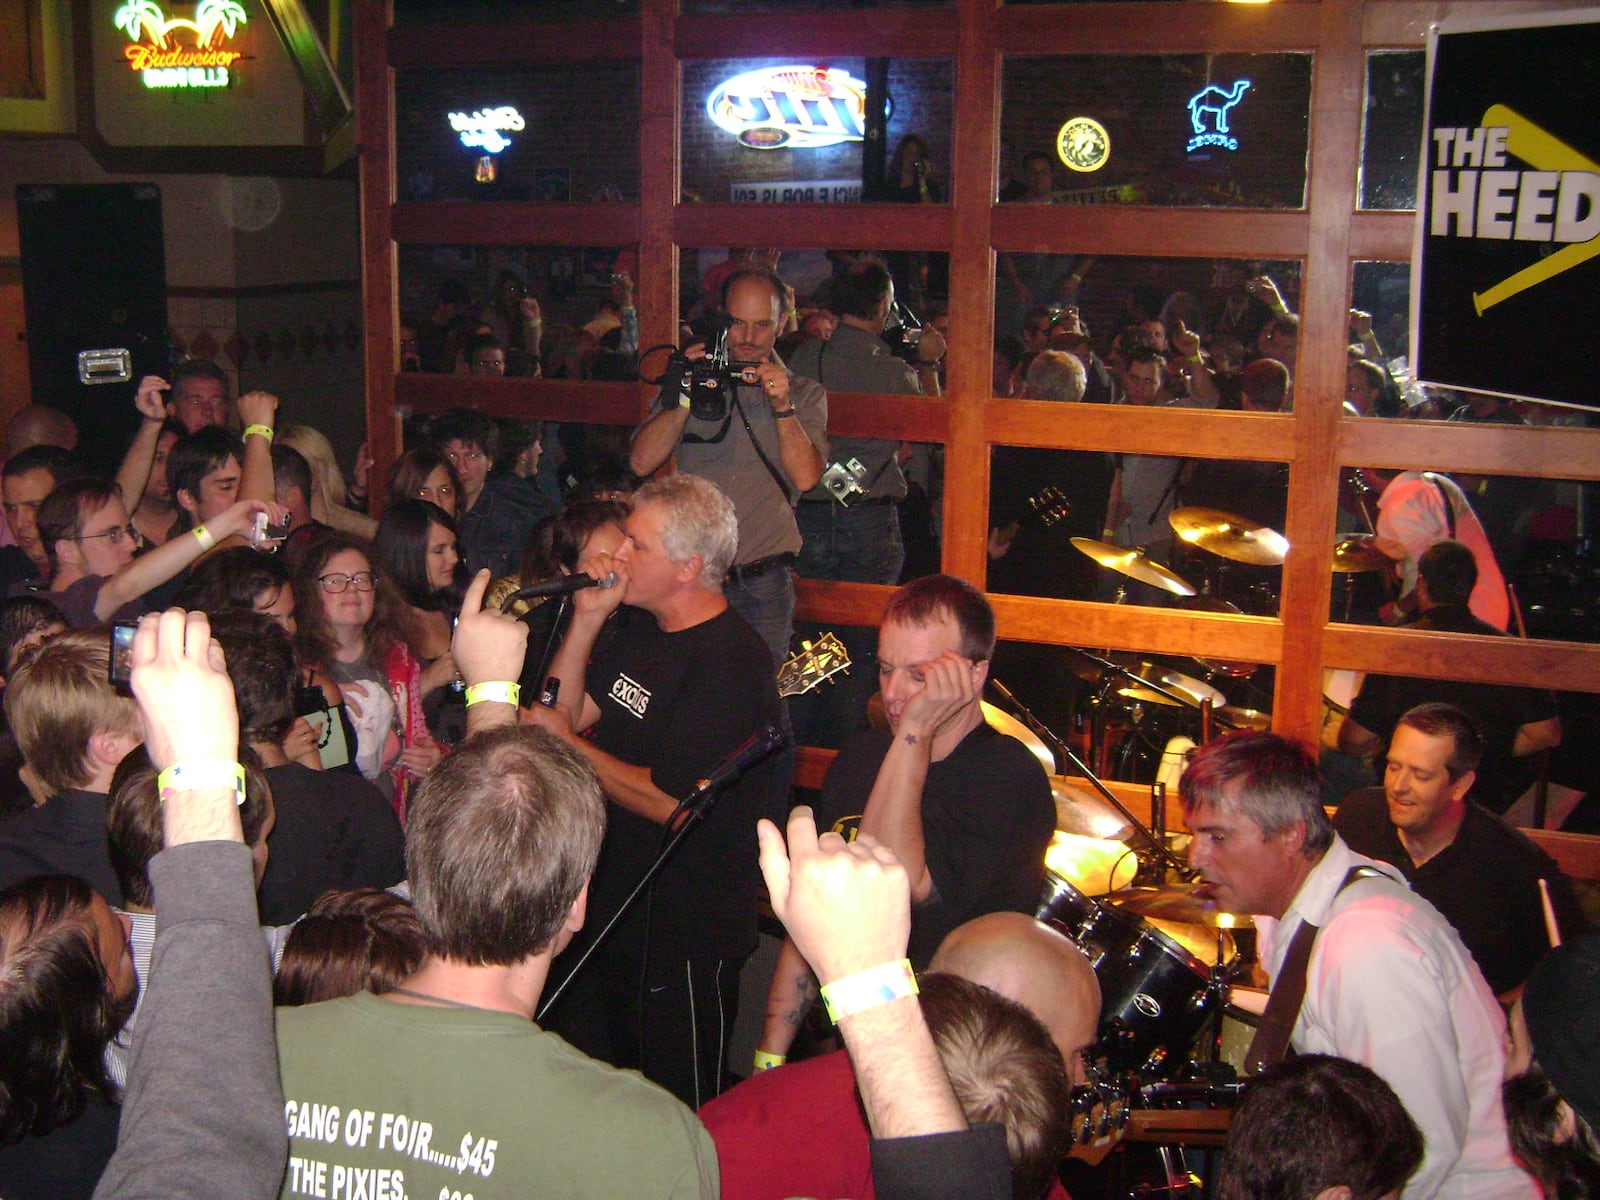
(708, 381)
(902, 333)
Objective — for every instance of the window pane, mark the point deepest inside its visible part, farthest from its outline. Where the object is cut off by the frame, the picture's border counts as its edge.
(1040, 298)
(1194, 131)
(763, 131)
(450, 295)
(518, 133)
(1120, 710)
(1522, 531)
(1198, 534)
(1361, 709)
(1393, 128)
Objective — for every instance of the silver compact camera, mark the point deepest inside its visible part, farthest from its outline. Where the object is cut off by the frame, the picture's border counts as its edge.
(843, 480)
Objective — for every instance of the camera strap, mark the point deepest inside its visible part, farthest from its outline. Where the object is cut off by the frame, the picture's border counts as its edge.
(789, 497)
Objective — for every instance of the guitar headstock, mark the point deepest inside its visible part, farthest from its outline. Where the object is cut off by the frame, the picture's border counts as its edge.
(1048, 505)
(816, 663)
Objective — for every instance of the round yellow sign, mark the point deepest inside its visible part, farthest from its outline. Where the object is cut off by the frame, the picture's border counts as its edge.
(1083, 144)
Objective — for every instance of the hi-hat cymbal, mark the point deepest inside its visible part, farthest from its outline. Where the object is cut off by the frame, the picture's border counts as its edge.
(1230, 536)
(1359, 552)
(1135, 565)
(1006, 723)
(1181, 903)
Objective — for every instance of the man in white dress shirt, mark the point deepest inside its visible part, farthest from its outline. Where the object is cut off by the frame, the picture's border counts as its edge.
(1388, 983)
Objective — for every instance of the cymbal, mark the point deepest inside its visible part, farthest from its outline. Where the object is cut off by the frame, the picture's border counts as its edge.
(1080, 811)
(1245, 718)
(1091, 672)
(1135, 565)
(1187, 688)
(1093, 865)
(1230, 536)
(1359, 552)
(1006, 723)
(1181, 903)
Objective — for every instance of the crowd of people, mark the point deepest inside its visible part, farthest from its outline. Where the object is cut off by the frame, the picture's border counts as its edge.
(422, 854)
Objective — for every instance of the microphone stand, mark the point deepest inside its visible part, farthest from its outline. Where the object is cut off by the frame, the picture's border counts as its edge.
(689, 813)
(551, 641)
(1156, 847)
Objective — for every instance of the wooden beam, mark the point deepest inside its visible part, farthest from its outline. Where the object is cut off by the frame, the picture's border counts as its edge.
(380, 325)
(433, 223)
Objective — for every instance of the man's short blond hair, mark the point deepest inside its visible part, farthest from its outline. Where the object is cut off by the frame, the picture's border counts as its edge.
(60, 699)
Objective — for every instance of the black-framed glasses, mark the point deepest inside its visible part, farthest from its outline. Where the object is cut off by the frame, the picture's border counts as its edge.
(116, 535)
(338, 581)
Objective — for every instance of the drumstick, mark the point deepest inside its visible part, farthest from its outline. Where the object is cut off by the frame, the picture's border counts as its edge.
(1544, 152)
(1551, 929)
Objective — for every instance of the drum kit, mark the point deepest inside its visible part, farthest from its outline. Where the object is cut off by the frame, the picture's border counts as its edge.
(1141, 706)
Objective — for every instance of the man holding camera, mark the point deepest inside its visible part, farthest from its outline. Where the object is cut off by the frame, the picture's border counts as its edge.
(762, 441)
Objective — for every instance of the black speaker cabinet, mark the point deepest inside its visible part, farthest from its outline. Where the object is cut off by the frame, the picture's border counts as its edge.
(94, 279)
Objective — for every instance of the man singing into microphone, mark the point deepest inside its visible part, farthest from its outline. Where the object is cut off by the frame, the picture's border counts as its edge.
(659, 702)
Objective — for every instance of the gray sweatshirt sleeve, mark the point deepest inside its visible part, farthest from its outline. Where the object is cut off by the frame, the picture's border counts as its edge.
(203, 1113)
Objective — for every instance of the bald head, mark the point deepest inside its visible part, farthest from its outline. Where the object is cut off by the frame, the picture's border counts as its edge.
(1027, 961)
(38, 425)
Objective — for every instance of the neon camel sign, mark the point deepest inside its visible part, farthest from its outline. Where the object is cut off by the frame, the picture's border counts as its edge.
(487, 128)
(1208, 115)
(794, 108)
(162, 61)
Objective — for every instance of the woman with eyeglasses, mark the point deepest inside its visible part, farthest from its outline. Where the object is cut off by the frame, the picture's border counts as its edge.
(94, 576)
(352, 622)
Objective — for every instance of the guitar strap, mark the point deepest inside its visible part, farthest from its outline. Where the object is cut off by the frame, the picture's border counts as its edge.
(1271, 1041)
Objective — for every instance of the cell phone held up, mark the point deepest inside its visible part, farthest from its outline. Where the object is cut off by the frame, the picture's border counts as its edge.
(121, 669)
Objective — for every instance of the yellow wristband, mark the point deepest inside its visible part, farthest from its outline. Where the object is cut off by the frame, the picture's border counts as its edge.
(1198, 359)
(204, 537)
(195, 773)
(263, 430)
(765, 1061)
(868, 989)
(497, 691)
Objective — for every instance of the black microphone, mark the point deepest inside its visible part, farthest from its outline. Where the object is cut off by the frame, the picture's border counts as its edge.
(749, 752)
(560, 587)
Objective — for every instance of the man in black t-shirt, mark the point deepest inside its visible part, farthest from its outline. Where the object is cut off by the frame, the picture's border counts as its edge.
(965, 808)
(661, 702)
(1480, 873)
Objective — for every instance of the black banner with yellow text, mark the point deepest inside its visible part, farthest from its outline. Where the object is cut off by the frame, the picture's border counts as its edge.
(1506, 297)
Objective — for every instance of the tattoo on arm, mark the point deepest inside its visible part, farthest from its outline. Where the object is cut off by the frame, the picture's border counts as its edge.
(911, 739)
(805, 987)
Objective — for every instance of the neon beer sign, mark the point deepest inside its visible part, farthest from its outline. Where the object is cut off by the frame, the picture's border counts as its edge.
(795, 108)
(487, 128)
(199, 58)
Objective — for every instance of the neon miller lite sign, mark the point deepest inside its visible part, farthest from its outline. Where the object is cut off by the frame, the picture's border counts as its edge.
(793, 108)
(162, 61)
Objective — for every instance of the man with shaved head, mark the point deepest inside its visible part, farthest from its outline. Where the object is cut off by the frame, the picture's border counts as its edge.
(1027, 961)
(798, 1130)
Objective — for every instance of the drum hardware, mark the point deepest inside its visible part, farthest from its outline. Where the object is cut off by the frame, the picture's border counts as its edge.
(1161, 857)
(1354, 554)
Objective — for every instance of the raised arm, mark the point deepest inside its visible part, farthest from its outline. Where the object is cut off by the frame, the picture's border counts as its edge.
(259, 413)
(488, 648)
(134, 475)
(205, 1071)
(847, 907)
(161, 564)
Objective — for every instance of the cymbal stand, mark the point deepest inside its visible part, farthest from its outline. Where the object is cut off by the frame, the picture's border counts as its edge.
(1159, 852)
